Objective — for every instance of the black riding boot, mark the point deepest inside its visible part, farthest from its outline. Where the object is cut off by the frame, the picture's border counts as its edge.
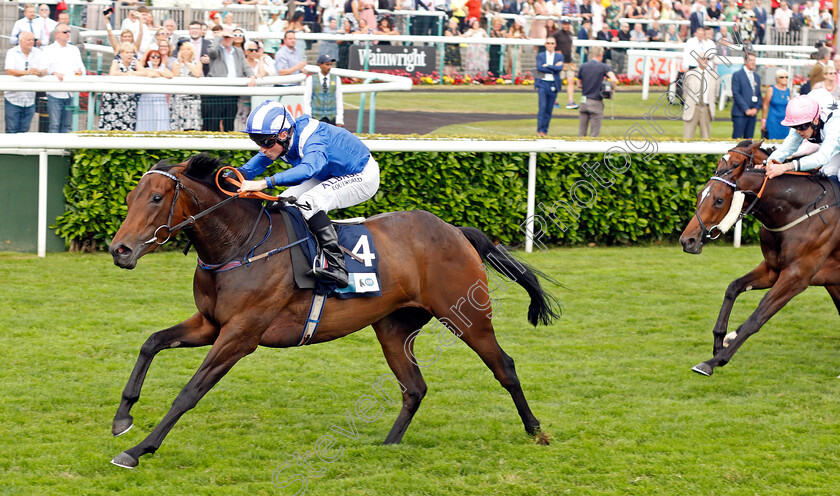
(327, 238)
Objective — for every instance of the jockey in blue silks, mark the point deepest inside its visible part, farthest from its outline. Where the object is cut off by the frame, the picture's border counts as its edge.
(331, 168)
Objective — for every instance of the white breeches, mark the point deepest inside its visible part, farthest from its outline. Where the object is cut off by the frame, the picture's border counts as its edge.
(337, 192)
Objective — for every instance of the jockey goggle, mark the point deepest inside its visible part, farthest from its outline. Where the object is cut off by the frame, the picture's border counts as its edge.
(269, 142)
(802, 127)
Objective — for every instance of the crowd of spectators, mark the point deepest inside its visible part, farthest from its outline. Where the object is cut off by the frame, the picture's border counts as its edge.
(219, 47)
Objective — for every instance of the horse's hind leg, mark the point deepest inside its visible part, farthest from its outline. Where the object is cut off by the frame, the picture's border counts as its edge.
(484, 343)
(834, 291)
(475, 328)
(760, 277)
(195, 331)
(393, 333)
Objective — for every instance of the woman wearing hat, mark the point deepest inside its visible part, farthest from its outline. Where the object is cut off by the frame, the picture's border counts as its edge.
(477, 57)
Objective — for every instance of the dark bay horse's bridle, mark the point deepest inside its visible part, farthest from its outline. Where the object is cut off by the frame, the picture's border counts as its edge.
(229, 264)
(192, 218)
(738, 201)
(736, 205)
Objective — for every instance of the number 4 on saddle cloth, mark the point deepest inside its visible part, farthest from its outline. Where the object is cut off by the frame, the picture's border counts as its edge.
(360, 258)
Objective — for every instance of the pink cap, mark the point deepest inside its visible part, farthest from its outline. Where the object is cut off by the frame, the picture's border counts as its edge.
(800, 110)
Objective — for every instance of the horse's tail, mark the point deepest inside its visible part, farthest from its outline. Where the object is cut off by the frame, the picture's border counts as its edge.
(544, 307)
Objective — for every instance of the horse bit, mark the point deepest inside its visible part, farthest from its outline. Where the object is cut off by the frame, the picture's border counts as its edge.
(189, 221)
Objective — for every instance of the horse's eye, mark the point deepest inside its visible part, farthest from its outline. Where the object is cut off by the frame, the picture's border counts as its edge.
(719, 202)
(157, 198)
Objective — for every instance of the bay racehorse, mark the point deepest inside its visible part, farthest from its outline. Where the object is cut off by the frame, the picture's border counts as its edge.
(428, 268)
(800, 239)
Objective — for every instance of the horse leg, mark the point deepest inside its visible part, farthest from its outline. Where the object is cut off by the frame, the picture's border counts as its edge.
(228, 349)
(474, 327)
(791, 282)
(195, 331)
(760, 277)
(834, 291)
(394, 334)
(501, 364)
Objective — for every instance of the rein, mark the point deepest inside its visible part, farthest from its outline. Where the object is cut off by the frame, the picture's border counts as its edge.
(192, 218)
(231, 263)
(737, 204)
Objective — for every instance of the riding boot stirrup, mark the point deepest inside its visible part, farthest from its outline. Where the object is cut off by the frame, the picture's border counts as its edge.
(327, 238)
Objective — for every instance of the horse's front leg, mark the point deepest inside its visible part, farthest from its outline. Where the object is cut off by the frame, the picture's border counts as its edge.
(761, 277)
(231, 345)
(791, 282)
(195, 331)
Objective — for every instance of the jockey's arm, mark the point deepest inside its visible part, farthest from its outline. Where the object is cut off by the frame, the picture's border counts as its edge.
(314, 160)
(828, 148)
(255, 166)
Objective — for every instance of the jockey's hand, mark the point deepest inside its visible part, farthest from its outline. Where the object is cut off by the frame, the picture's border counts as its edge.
(766, 163)
(775, 169)
(253, 186)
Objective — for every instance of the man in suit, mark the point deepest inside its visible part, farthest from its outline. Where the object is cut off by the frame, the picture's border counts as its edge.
(697, 18)
(200, 46)
(227, 61)
(699, 97)
(605, 34)
(746, 93)
(549, 85)
(760, 22)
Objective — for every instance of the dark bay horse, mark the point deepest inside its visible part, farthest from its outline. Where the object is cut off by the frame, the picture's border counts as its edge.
(800, 239)
(428, 268)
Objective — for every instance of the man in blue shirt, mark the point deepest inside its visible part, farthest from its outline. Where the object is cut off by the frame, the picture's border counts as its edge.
(331, 168)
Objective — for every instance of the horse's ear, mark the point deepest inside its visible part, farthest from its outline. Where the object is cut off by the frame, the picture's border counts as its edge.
(757, 145)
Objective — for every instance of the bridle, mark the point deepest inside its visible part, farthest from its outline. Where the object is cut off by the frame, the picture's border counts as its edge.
(228, 264)
(190, 220)
(735, 213)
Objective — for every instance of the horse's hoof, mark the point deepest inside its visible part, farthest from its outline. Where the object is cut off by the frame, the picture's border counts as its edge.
(542, 439)
(703, 369)
(125, 460)
(122, 426)
(729, 338)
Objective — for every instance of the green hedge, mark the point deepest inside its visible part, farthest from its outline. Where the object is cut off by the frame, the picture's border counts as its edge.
(652, 200)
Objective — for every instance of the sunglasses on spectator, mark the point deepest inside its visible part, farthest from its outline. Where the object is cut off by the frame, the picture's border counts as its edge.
(781, 77)
(253, 49)
(154, 56)
(64, 32)
(802, 127)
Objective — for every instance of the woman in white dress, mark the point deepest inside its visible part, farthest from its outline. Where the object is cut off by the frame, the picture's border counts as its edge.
(152, 108)
(477, 57)
(185, 110)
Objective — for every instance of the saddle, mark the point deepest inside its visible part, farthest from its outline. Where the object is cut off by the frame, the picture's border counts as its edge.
(360, 256)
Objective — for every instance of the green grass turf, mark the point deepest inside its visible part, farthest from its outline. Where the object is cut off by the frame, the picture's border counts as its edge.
(564, 128)
(610, 381)
(505, 102)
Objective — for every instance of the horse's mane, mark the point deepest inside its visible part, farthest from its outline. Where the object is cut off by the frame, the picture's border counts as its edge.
(201, 168)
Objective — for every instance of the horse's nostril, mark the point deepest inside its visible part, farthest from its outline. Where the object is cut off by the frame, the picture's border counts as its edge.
(121, 250)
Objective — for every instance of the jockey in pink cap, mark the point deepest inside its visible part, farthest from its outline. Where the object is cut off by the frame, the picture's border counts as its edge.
(810, 119)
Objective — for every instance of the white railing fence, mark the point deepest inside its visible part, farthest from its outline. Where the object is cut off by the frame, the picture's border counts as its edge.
(45, 144)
